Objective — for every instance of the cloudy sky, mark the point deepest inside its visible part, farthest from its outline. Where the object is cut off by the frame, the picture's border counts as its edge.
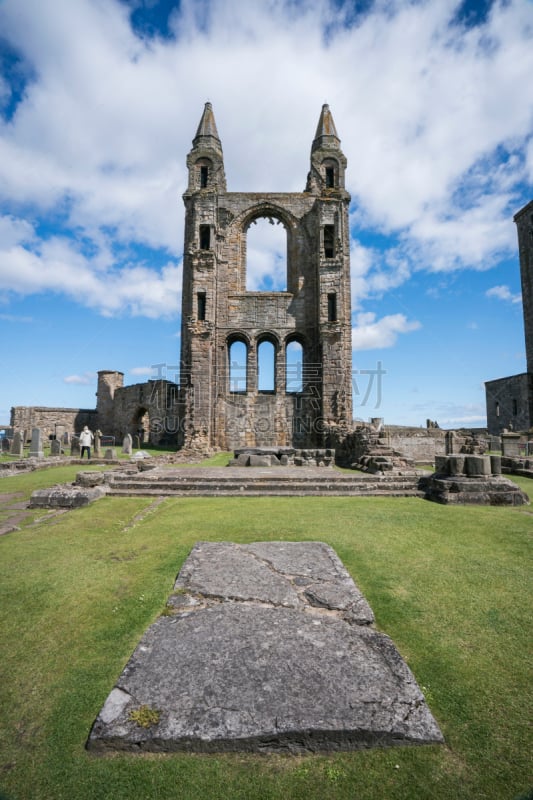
(100, 100)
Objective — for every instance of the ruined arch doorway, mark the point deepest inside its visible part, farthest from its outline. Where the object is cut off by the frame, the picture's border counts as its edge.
(141, 426)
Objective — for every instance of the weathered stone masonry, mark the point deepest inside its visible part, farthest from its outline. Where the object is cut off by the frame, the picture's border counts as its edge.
(510, 400)
(217, 310)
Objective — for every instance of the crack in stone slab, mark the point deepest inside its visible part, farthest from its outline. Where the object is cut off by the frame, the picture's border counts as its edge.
(250, 675)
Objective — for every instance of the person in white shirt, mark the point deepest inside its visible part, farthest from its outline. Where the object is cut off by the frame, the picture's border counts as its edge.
(86, 439)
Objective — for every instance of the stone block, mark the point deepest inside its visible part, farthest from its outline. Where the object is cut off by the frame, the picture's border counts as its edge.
(477, 465)
(496, 465)
(259, 461)
(455, 464)
(110, 454)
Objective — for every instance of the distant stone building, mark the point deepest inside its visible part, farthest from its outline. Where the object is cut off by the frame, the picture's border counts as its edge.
(510, 400)
(256, 368)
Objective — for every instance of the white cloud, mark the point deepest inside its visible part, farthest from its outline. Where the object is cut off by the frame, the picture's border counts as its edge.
(370, 333)
(433, 117)
(58, 265)
(86, 379)
(504, 293)
(141, 371)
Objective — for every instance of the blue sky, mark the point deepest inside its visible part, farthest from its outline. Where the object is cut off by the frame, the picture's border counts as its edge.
(100, 100)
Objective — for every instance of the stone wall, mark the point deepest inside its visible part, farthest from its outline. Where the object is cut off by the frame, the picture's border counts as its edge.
(507, 402)
(52, 421)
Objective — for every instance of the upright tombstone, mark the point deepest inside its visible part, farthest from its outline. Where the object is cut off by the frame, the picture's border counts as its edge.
(137, 441)
(127, 444)
(74, 445)
(66, 437)
(6, 445)
(55, 447)
(17, 445)
(36, 446)
(97, 442)
(510, 445)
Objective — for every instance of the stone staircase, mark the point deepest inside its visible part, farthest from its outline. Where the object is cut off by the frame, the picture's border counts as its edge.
(257, 482)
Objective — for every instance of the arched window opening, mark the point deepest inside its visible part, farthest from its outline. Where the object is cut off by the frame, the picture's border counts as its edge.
(330, 177)
(294, 368)
(266, 367)
(332, 307)
(204, 172)
(201, 305)
(266, 256)
(205, 237)
(329, 241)
(238, 357)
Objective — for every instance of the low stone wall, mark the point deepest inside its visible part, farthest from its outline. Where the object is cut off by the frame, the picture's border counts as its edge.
(282, 457)
(51, 421)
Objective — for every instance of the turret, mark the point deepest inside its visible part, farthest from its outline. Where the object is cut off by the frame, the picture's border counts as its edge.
(328, 162)
(206, 160)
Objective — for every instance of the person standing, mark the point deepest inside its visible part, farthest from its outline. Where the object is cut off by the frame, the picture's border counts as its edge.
(86, 439)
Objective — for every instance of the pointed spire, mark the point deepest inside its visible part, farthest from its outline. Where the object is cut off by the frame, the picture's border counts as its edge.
(326, 133)
(207, 134)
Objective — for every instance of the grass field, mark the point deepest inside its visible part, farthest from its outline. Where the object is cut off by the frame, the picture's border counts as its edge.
(451, 586)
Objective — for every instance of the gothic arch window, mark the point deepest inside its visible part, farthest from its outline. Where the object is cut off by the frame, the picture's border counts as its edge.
(294, 367)
(266, 255)
(238, 366)
(266, 366)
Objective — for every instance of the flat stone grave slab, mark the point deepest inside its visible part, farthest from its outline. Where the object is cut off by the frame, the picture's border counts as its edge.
(264, 647)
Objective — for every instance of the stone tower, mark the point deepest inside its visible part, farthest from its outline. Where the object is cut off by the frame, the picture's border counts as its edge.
(524, 226)
(225, 328)
(108, 383)
(510, 400)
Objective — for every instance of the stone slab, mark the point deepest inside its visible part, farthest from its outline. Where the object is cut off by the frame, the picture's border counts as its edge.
(65, 496)
(261, 648)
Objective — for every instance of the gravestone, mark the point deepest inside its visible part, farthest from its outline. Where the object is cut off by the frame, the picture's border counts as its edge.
(97, 442)
(17, 445)
(127, 444)
(36, 446)
(75, 445)
(55, 447)
(510, 444)
(137, 441)
(66, 437)
(110, 454)
(6, 445)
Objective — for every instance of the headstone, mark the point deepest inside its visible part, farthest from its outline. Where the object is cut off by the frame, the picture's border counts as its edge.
(510, 444)
(36, 446)
(137, 441)
(6, 445)
(55, 447)
(17, 445)
(75, 445)
(127, 444)
(66, 438)
(110, 454)
(97, 440)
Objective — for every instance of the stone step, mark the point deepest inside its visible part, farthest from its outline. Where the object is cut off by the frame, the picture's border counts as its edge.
(128, 486)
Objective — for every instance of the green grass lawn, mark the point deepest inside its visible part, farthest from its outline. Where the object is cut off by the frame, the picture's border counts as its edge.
(451, 586)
